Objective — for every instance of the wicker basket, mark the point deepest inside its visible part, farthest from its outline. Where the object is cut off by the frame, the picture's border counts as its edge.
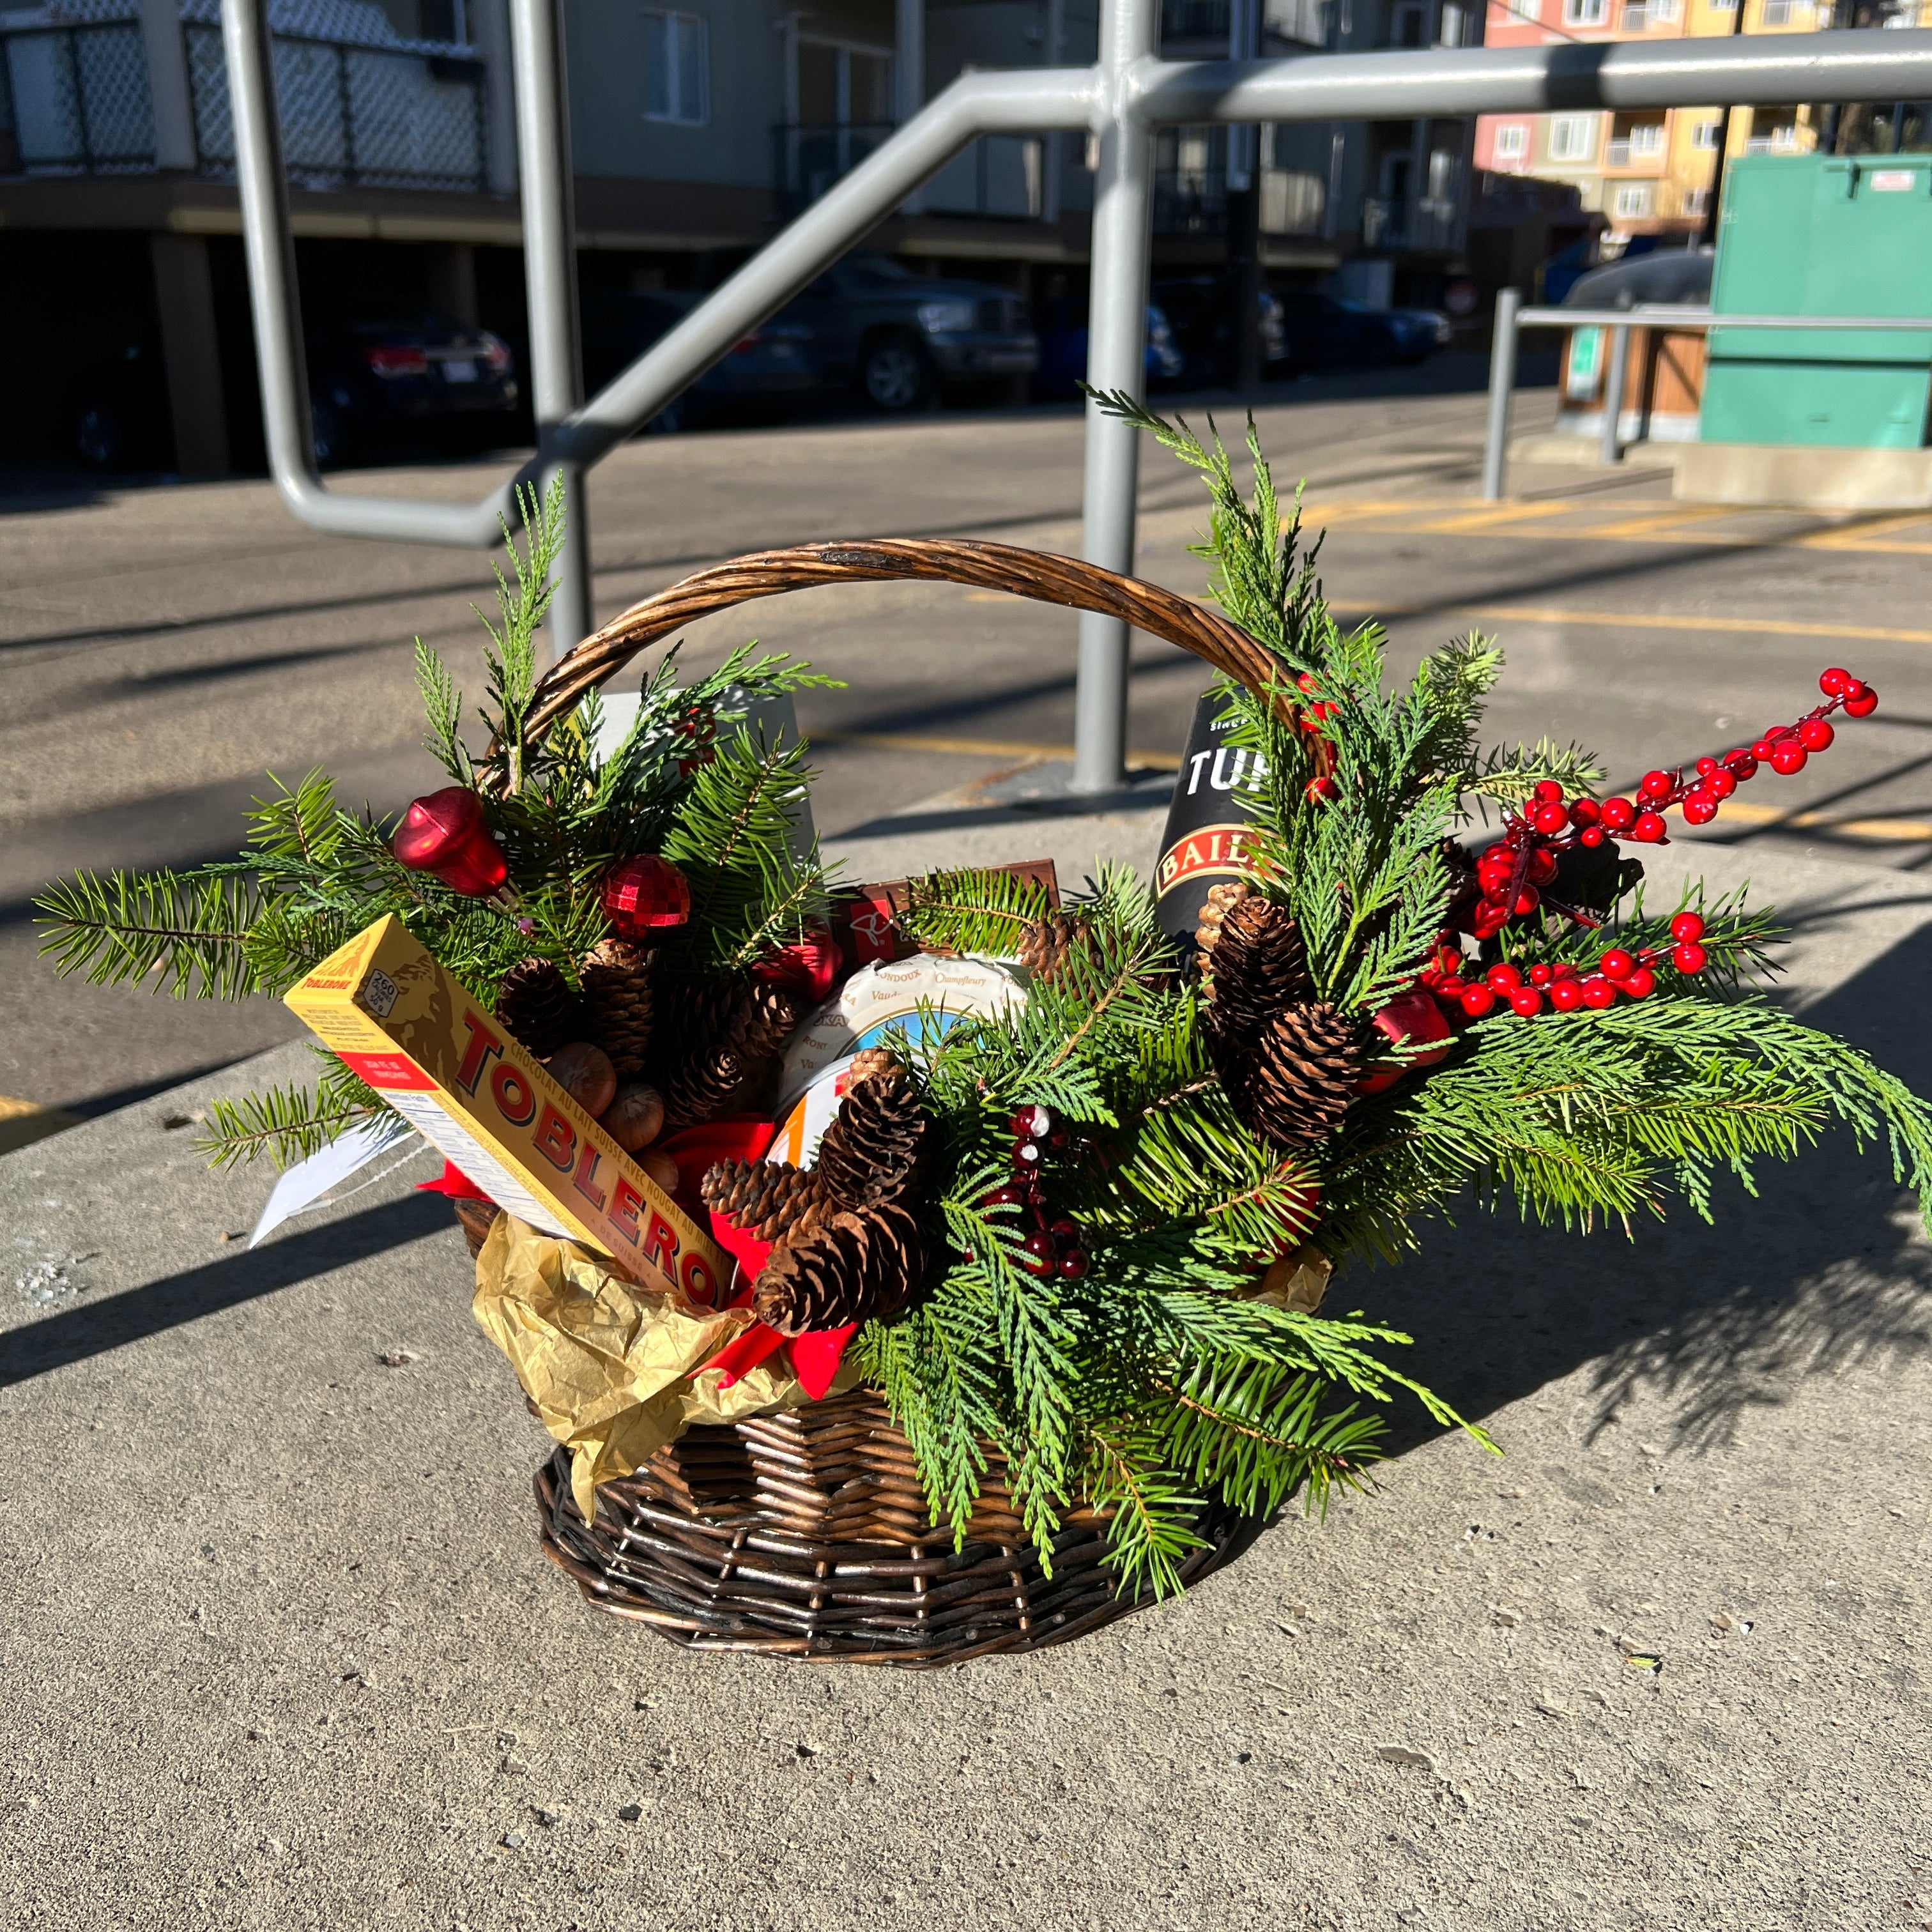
(806, 1533)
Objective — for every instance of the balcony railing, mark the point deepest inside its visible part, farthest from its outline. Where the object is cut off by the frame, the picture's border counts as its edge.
(74, 99)
(1429, 224)
(1001, 177)
(1633, 154)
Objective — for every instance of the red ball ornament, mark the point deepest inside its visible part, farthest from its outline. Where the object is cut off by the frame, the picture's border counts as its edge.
(1649, 830)
(1476, 1000)
(1860, 702)
(1688, 958)
(1641, 984)
(1835, 682)
(1619, 814)
(644, 895)
(1586, 812)
(446, 834)
(1763, 750)
(1815, 735)
(1031, 1123)
(1527, 900)
(1525, 1003)
(1597, 993)
(1790, 758)
(1687, 929)
(1072, 1265)
(1706, 766)
(1699, 808)
(1567, 995)
(1540, 975)
(1617, 964)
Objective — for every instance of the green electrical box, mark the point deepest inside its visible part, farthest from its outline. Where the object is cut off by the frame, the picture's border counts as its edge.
(1823, 234)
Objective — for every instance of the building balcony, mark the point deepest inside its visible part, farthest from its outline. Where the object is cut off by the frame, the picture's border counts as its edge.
(1626, 156)
(75, 99)
(1001, 177)
(1428, 226)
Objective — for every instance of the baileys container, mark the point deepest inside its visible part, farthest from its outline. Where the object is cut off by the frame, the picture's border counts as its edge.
(1210, 825)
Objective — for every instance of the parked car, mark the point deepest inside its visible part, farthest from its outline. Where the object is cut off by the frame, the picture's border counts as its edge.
(1200, 311)
(777, 359)
(1666, 275)
(1331, 332)
(900, 338)
(1063, 349)
(376, 369)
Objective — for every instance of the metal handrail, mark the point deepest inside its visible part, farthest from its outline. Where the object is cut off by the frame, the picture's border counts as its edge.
(1120, 99)
(1512, 319)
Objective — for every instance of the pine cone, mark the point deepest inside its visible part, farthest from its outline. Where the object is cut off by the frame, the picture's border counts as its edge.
(1293, 1082)
(536, 1008)
(693, 1015)
(875, 1149)
(617, 999)
(701, 1089)
(767, 1017)
(1222, 900)
(771, 1199)
(1259, 968)
(858, 1267)
(868, 1062)
(1044, 943)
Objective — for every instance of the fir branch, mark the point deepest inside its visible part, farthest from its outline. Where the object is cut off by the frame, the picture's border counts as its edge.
(188, 931)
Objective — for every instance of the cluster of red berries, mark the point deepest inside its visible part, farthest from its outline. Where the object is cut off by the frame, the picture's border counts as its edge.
(1514, 871)
(1526, 990)
(1786, 748)
(1053, 1246)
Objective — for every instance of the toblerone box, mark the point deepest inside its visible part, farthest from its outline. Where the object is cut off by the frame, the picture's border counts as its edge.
(395, 1017)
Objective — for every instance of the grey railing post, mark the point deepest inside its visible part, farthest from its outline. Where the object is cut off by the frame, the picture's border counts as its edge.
(1502, 383)
(550, 264)
(1116, 360)
(1613, 394)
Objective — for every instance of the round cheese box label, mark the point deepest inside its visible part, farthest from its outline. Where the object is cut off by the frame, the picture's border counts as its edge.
(891, 994)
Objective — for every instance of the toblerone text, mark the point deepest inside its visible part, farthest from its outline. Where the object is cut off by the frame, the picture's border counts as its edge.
(396, 1019)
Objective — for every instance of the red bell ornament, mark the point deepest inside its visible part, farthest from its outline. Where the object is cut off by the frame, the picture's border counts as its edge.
(642, 896)
(1416, 1019)
(446, 834)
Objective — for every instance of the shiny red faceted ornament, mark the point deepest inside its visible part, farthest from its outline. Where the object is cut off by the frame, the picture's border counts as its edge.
(644, 896)
(446, 834)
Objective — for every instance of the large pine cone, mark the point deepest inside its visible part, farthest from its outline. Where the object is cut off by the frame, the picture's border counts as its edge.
(617, 999)
(875, 1149)
(1259, 968)
(1222, 900)
(536, 1007)
(693, 1015)
(1293, 1082)
(859, 1267)
(769, 1198)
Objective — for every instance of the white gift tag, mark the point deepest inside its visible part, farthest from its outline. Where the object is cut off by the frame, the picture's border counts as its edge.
(308, 1180)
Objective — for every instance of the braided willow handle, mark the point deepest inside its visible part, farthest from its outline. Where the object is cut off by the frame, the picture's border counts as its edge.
(1039, 574)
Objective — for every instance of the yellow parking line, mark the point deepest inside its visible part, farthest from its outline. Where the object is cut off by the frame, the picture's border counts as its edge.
(1898, 831)
(1495, 517)
(1779, 627)
(22, 1122)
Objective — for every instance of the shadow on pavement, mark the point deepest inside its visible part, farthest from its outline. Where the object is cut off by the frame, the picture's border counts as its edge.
(114, 1321)
(1828, 1268)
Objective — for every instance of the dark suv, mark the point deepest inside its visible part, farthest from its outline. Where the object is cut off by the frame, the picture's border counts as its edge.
(899, 338)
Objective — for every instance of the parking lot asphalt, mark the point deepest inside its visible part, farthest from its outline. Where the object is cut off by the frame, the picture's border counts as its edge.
(165, 647)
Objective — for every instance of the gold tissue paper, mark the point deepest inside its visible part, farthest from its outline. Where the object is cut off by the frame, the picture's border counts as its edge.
(609, 1364)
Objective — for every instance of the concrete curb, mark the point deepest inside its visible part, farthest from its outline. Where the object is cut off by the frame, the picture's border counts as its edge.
(281, 1652)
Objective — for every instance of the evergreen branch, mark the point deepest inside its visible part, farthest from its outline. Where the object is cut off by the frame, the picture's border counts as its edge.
(188, 930)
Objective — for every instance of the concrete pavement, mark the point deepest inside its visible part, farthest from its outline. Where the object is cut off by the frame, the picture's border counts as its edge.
(281, 1651)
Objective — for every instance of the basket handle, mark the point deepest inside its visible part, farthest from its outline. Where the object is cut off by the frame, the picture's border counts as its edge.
(1040, 574)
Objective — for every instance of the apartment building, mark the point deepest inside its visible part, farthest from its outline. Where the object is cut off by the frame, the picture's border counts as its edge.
(1650, 172)
(698, 127)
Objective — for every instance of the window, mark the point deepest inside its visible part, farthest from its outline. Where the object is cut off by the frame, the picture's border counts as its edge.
(1705, 135)
(1586, 13)
(1632, 198)
(677, 69)
(1787, 12)
(1696, 200)
(1526, 10)
(1512, 141)
(1646, 137)
(1572, 137)
(1637, 17)
(1663, 10)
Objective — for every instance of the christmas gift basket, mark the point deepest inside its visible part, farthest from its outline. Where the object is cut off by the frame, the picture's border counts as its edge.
(911, 1271)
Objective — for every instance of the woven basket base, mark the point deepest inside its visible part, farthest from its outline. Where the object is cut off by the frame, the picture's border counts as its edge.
(789, 1536)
